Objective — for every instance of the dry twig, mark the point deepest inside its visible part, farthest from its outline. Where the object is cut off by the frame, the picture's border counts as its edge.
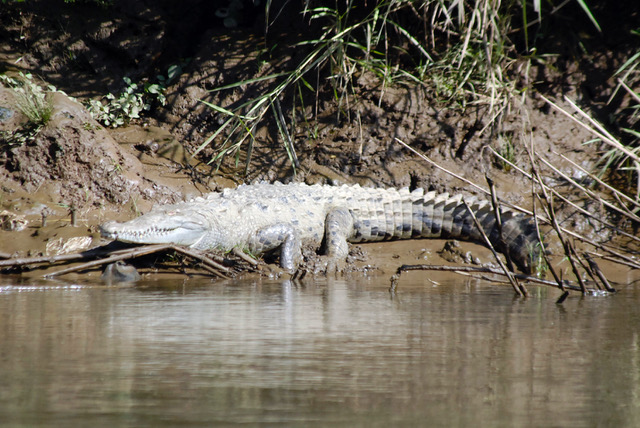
(480, 269)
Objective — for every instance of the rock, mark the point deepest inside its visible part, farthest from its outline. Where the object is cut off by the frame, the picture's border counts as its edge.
(75, 244)
(120, 272)
(12, 222)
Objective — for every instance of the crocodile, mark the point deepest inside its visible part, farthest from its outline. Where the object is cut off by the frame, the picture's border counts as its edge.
(284, 217)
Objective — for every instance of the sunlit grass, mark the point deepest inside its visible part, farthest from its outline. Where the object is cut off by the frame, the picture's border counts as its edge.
(32, 101)
(461, 49)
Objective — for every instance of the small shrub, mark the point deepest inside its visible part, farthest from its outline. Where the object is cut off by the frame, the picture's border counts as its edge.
(128, 105)
(33, 101)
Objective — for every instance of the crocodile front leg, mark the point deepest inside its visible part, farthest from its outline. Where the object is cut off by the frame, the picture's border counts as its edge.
(339, 227)
(281, 235)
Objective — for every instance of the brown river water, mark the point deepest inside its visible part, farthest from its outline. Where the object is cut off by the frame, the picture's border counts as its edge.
(328, 352)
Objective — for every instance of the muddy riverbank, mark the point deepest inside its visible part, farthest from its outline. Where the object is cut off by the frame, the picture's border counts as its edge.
(75, 173)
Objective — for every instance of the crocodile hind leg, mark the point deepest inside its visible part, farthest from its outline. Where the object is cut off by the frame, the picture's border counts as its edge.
(280, 235)
(338, 229)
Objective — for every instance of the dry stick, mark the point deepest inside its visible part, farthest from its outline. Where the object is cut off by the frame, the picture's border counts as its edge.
(619, 201)
(149, 249)
(597, 129)
(620, 258)
(606, 247)
(566, 245)
(115, 255)
(136, 252)
(519, 289)
(601, 132)
(495, 204)
(555, 275)
(89, 254)
(206, 260)
(453, 174)
(567, 201)
(213, 271)
(628, 89)
(591, 193)
(594, 217)
(594, 268)
(568, 248)
(476, 269)
(586, 267)
(216, 257)
(598, 180)
(629, 262)
(245, 257)
(51, 259)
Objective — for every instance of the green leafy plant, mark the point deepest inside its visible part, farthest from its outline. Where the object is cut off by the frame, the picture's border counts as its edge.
(155, 91)
(119, 110)
(115, 111)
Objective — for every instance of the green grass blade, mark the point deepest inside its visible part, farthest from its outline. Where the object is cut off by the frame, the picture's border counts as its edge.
(249, 81)
(586, 9)
(213, 136)
(411, 39)
(630, 61)
(225, 111)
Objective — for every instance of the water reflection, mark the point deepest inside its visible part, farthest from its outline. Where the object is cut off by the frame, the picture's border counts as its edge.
(202, 353)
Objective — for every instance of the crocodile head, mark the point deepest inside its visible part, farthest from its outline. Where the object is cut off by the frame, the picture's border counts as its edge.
(165, 227)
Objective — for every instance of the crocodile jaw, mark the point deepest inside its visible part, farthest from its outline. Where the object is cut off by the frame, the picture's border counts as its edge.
(181, 232)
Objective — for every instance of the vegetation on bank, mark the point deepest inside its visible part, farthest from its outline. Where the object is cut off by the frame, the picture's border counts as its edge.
(33, 102)
(466, 53)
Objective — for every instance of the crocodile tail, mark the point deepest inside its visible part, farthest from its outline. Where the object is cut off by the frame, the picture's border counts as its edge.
(441, 216)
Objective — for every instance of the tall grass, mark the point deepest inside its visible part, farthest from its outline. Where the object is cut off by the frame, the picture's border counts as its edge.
(33, 101)
(622, 159)
(463, 49)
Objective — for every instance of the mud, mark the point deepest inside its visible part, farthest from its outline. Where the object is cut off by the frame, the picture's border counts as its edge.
(76, 168)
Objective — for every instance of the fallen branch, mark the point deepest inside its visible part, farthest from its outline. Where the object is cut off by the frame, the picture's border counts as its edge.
(204, 259)
(104, 255)
(245, 257)
(129, 254)
(481, 269)
(9, 262)
(209, 264)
